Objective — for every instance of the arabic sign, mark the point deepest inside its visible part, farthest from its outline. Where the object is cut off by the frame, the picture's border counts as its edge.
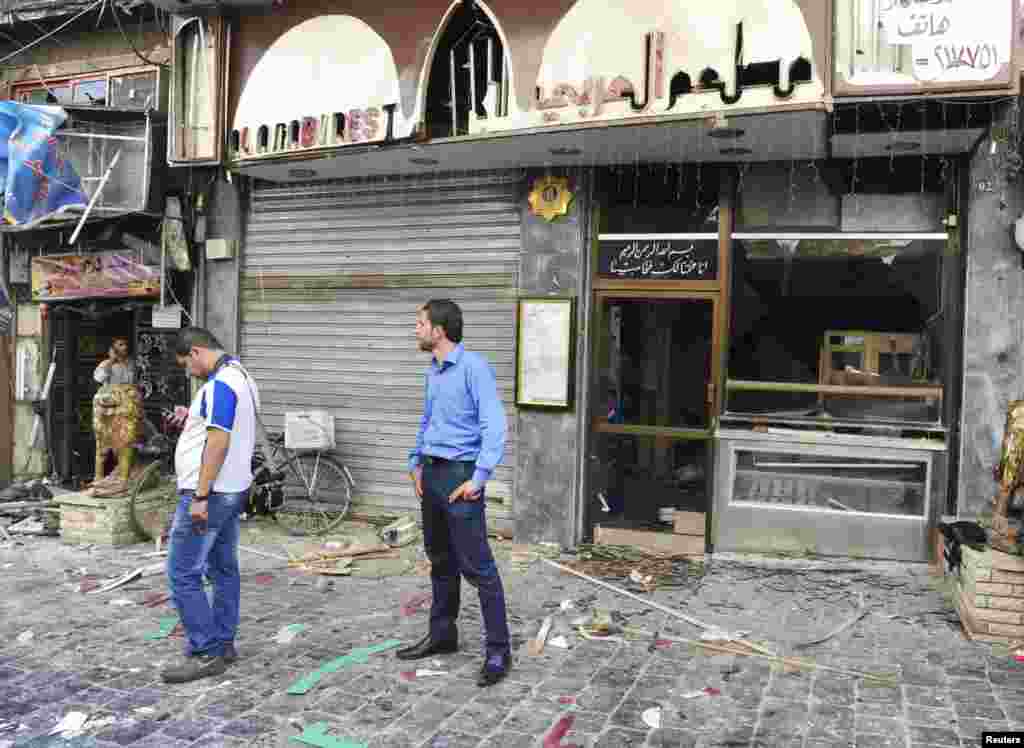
(659, 259)
(102, 275)
(951, 40)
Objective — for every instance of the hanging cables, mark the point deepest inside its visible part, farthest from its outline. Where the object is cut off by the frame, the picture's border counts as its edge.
(145, 60)
(57, 30)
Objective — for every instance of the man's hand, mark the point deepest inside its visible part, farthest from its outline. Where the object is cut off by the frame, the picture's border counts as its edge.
(180, 414)
(466, 492)
(417, 481)
(199, 511)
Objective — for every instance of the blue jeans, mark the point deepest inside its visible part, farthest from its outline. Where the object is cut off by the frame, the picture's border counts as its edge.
(214, 553)
(455, 537)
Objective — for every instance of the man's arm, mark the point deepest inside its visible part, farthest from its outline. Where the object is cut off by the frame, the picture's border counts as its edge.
(484, 389)
(416, 452)
(220, 420)
(216, 450)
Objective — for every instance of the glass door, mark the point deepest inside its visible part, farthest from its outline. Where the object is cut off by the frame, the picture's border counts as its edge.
(654, 406)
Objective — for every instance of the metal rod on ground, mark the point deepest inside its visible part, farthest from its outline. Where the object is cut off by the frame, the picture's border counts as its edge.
(262, 553)
(95, 196)
(650, 603)
(631, 596)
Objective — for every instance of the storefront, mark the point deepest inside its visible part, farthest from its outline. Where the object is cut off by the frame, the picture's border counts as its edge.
(767, 284)
(332, 276)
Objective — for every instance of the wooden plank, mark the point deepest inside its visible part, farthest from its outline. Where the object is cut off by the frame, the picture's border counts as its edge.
(922, 391)
(689, 523)
(655, 542)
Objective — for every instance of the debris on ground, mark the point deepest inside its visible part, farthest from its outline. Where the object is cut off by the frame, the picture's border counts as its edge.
(355, 657)
(71, 725)
(167, 626)
(402, 532)
(641, 568)
(858, 614)
(652, 717)
(25, 637)
(338, 563)
(411, 675)
(316, 735)
(554, 738)
(139, 573)
(155, 599)
(536, 645)
(288, 633)
(418, 603)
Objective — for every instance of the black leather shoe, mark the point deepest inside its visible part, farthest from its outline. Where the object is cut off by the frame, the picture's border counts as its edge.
(427, 647)
(491, 674)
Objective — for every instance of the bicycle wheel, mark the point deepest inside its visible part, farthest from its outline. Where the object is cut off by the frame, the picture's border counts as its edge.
(317, 495)
(153, 502)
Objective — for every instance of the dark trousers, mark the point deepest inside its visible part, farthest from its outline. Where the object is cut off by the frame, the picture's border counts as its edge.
(455, 537)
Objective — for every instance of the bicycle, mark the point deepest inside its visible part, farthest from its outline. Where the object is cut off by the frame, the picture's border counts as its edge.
(307, 492)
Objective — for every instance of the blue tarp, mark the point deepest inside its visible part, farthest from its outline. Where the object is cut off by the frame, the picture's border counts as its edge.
(36, 181)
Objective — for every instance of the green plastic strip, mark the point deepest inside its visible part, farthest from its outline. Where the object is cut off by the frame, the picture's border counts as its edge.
(316, 734)
(166, 627)
(355, 657)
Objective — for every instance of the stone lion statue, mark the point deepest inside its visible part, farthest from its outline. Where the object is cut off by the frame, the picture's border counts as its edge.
(117, 420)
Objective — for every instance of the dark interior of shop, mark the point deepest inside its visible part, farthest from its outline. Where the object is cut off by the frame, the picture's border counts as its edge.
(871, 313)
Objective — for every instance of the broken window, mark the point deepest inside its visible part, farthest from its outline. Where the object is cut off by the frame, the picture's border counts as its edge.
(841, 327)
(196, 110)
(469, 79)
(832, 481)
(134, 89)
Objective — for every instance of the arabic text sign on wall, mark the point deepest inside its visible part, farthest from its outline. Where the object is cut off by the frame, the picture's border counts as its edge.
(950, 40)
(103, 275)
(659, 259)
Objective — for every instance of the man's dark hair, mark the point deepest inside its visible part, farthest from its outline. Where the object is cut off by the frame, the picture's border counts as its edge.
(445, 313)
(195, 337)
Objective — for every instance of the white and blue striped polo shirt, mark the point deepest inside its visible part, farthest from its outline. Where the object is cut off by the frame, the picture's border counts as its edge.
(227, 401)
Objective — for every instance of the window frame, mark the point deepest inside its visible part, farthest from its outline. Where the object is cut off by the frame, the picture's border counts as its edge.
(19, 90)
(732, 385)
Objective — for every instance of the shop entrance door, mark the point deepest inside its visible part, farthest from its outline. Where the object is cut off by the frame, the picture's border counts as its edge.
(654, 408)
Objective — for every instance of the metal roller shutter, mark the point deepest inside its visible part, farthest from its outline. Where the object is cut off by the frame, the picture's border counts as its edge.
(333, 275)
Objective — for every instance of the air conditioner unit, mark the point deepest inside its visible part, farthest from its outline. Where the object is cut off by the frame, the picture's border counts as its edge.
(191, 7)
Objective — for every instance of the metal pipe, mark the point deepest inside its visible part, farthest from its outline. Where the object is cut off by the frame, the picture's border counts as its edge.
(455, 115)
(95, 197)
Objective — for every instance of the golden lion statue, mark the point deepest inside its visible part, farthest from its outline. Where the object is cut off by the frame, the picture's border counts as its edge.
(117, 422)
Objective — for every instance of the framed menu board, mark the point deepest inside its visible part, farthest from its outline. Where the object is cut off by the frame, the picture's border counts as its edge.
(544, 352)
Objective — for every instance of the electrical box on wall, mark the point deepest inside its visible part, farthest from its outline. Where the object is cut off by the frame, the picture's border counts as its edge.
(220, 249)
(26, 376)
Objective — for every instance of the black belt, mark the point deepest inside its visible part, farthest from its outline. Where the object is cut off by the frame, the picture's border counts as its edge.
(431, 460)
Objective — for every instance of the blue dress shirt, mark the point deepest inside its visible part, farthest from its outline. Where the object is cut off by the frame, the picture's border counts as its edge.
(463, 418)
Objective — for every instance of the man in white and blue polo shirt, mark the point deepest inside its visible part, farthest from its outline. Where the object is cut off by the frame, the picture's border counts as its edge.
(213, 464)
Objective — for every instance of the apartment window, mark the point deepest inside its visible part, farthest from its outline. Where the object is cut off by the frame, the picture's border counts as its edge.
(198, 69)
(130, 90)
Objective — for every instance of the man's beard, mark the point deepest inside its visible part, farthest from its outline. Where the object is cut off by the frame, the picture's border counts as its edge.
(427, 346)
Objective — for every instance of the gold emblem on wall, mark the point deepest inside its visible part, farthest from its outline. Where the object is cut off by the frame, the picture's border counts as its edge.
(550, 197)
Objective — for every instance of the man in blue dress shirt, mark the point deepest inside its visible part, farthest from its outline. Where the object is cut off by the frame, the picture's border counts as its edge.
(460, 441)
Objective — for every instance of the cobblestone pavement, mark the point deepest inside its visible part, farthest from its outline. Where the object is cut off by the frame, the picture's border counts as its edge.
(89, 654)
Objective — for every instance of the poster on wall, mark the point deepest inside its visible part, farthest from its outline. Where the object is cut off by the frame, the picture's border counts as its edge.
(94, 276)
(544, 353)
